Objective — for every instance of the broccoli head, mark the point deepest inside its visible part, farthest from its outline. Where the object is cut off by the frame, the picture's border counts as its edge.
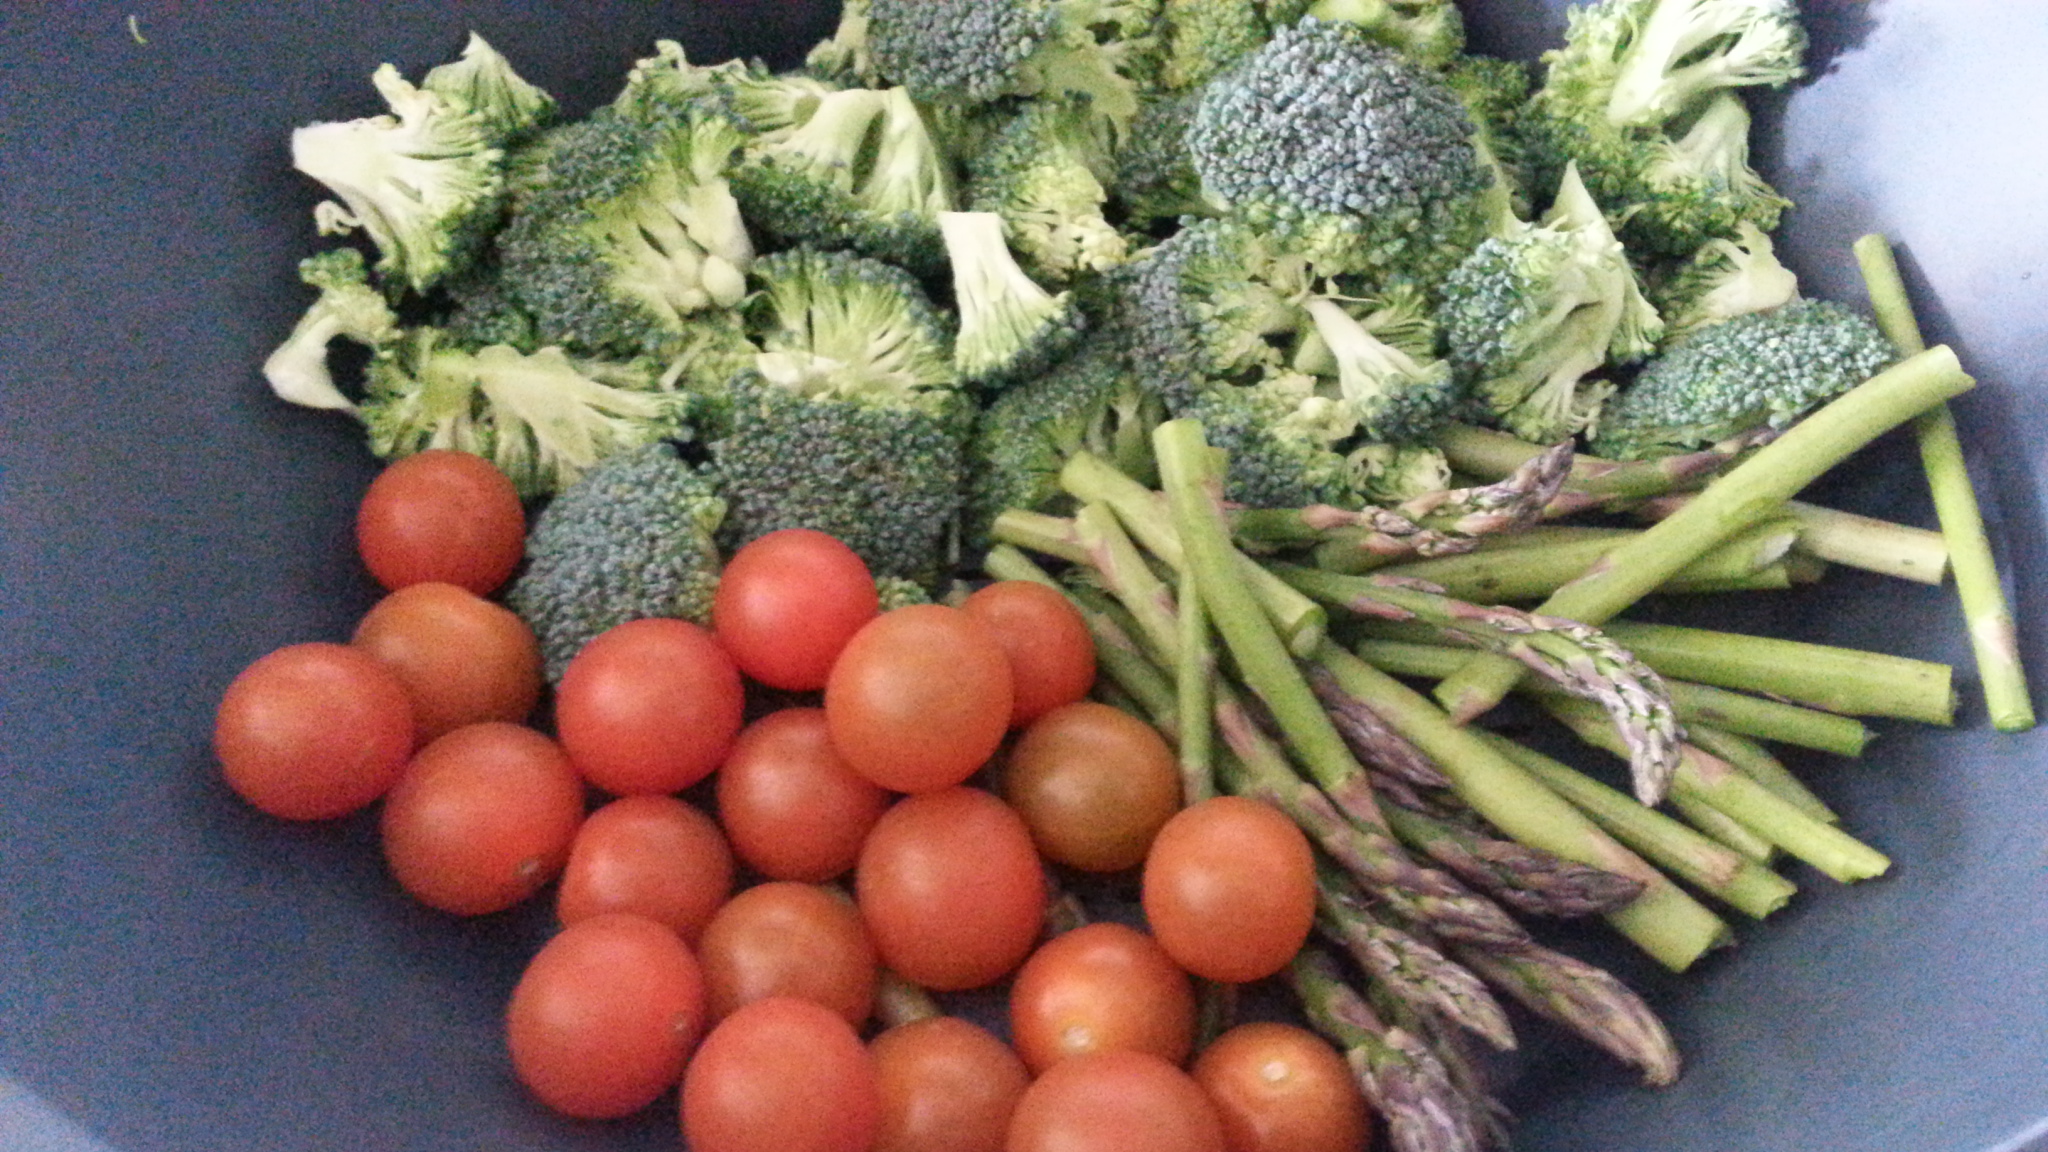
(1010, 328)
(347, 307)
(1678, 51)
(839, 323)
(1761, 368)
(1723, 280)
(630, 539)
(1199, 39)
(1154, 178)
(1036, 174)
(1331, 140)
(1700, 186)
(509, 108)
(1221, 299)
(1429, 32)
(1285, 438)
(1393, 396)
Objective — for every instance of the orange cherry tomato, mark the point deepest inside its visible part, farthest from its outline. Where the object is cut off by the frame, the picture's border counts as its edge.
(919, 698)
(781, 1075)
(1100, 987)
(1279, 1088)
(463, 659)
(313, 731)
(651, 855)
(441, 515)
(794, 809)
(947, 1086)
(788, 939)
(1230, 889)
(1117, 1101)
(788, 602)
(1052, 656)
(649, 706)
(1094, 784)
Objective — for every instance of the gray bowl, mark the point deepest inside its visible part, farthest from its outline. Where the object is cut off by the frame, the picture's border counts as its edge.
(178, 973)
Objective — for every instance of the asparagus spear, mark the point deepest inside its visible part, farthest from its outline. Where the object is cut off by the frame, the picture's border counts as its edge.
(1820, 676)
(1585, 999)
(1528, 879)
(1756, 762)
(1993, 636)
(1847, 539)
(1718, 825)
(1533, 572)
(1194, 676)
(1406, 966)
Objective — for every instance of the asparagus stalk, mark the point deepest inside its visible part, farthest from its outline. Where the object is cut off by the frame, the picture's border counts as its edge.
(1406, 966)
(1527, 879)
(1843, 680)
(1750, 491)
(1585, 999)
(1194, 677)
(1706, 864)
(1386, 750)
(1693, 703)
(1993, 635)
(1718, 825)
(1756, 762)
(1594, 483)
(1847, 539)
(1536, 571)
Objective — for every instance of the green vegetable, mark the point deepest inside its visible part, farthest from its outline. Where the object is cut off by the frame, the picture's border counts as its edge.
(1010, 328)
(1038, 173)
(348, 307)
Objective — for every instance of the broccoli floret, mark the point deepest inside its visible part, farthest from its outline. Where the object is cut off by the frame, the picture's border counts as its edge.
(1680, 50)
(1535, 310)
(482, 312)
(1494, 93)
(347, 307)
(509, 108)
(847, 426)
(1221, 299)
(711, 349)
(426, 182)
(1155, 178)
(1429, 32)
(1284, 438)
(627, 228)
(1761, 368)
(1337, 142)
(1010, 328)
(895, 592)
(1723, 280)
(1393, 474)
(1036, 174)
(1199, 39)
(845, 58)
(543, 418)
(977, 51)
(861, 173)
(1393, 396)
(1700, 187)
(632, 538)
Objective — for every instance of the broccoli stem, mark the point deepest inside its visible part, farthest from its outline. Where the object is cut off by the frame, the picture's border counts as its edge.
(1194, 682)
(1848, 539)
(1749, 492)
(1715, 782)
(1712, 867)
(1533, 572)
(1993, 635)
(1695, 703)
(1756, 762)
(1719, 826)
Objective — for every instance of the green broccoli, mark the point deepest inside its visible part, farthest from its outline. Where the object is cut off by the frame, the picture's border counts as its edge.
(1678, 51)
(509, 108)
(1429, 32)
(1393, 474)
(895, 592)
(1010, 328)
(847, 425)
(347, 307)
(426, 182)
(1037, 174)
(1761, 368)
(1538, 308)
(630, 539)
(1723, 280)
(626, 228)
(1154, 177)
(1220, 300)
(1393, 396)
(1286, 440)
(1199, 39)
(861, 173)
(1342, 146)
(845, 57)
(1494, 93)
(1700, 187)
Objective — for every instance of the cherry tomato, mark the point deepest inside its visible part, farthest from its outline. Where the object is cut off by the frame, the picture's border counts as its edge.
(793, 808)
(1117, 1101)
(1052, 656)
(1279, 1088)
(947, 1086)
(788, 602)
(951, 889)
(605, 1016)
(920, 698)
(1100, 987)
(781, 1075)
(1230, 889)
(481, 818)
(651, 855)
(441, 515)
(788, 939)
(649, 706)
(313, 731)
(462, 659)
(1094, 785)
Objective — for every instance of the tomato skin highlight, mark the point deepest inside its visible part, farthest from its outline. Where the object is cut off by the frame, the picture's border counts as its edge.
(654, 856)
(313, 731)
(781, 1075)
(1229, 889)
(605, 1016)
(1279, 1088)
(788, 939)
(482, 818)
(951, 889)
(920, 698)
(788, 602)
(462, 659)
(441, 515)
(1052, 656)
(790, 803)
(1101, 987)
(650, 706)
(1094, 784)
(1115, 1101)
(947, 1086)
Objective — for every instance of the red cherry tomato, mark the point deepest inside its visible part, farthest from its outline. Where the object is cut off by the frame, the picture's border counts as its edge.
(1230, 889)
(781, 1075)
(605, 1016)
(649, 706)
(1279, 1088)
(1116, 1101)
(441, 515)
(788, 602)
(793, 808)
(1101, 987)
(463, 659)
(313, 731)
(787, 939)
(650, 855)
(481, 818)
(1094, 785)
(1052, 656)
(951, 889)
(920, 698)
(947, 1086)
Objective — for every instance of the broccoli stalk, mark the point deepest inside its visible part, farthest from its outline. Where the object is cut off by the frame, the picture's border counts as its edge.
(1683, 49)
(347, 307)
(845, 56)
(1010, 328)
